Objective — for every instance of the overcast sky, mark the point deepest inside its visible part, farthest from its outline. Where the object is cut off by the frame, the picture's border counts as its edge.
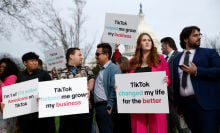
(165, 17)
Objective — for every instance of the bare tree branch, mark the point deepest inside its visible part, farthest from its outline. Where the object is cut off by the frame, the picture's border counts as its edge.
(12, 14)
(87, 50)
(78, 20)
(212, 42)
(54, 31)
(43, 22)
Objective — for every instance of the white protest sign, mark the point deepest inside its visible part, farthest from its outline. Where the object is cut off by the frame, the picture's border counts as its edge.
(20, 98)
(63, 97)
(55, 58)
(120, 27)
(142, 93)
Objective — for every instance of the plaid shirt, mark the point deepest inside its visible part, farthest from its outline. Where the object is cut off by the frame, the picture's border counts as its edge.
(70, 72)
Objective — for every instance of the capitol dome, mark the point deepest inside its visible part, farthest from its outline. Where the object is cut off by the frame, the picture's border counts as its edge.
(142, 27)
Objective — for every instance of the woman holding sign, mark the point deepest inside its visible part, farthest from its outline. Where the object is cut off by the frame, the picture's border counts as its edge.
(8, 76)
(146, 59)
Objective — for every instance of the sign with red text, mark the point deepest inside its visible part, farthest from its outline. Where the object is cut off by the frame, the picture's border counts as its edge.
(142, 92)
(63, 97)
(20, 98)
(55, 58)
(120, 27)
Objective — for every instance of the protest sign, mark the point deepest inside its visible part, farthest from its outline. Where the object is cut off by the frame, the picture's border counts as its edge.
(55, 58)
(63, 97)
(20, 98)
(142, 92)
(120, 27)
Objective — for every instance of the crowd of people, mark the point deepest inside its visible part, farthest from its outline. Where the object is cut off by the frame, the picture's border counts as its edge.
(192, 77)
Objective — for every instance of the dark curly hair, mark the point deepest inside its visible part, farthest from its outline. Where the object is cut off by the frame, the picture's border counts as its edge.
(10, 69)
(186, 32)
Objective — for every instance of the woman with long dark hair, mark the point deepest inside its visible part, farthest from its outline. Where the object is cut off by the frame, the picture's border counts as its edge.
(8, 76)
(147, 59)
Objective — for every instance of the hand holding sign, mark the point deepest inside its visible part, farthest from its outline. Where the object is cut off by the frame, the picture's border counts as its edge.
(117, 44)
(165, 79)
(2, 106)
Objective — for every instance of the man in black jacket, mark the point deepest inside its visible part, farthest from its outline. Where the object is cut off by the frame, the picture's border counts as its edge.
(31, 123)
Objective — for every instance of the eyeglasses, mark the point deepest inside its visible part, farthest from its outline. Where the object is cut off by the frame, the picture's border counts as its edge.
(97, 54)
